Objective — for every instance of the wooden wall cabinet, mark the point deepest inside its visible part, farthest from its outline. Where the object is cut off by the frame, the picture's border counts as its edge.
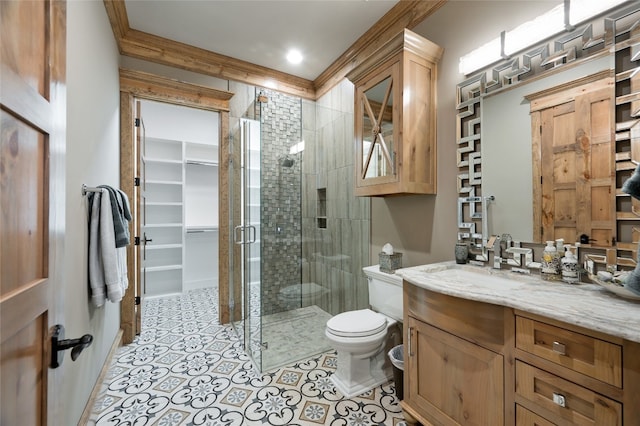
(395, 118)
(474, 363)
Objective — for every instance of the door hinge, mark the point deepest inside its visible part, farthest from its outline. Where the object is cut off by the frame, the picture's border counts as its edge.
(136, 122)
(136, 241)
(136, 181)
(137, 300)
(540, 129)
(540, 180)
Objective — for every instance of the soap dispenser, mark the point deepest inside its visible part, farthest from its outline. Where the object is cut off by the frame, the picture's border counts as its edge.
(551, 267)
(569, 267)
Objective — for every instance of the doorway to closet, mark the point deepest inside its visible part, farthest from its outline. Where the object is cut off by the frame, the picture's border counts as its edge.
(178, 202)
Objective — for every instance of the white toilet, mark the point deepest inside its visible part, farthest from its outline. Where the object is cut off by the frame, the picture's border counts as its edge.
(360, 336)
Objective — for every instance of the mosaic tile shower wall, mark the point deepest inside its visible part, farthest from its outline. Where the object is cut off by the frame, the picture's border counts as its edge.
(281, 226)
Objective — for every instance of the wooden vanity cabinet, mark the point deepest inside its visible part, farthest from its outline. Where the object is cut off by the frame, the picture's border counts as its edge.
(456, 360)
(475, 363)
(395, 118)
(568, 374)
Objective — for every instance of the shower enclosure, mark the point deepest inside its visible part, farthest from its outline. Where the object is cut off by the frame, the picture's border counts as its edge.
(272, 312)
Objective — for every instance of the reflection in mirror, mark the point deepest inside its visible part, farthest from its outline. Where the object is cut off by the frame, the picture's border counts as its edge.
(377, 145)
(507, 152)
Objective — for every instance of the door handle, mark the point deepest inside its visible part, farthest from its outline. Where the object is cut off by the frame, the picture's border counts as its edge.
(145, 239)
(409, 341)
(252, 236)
(238, 237)
(59, 344)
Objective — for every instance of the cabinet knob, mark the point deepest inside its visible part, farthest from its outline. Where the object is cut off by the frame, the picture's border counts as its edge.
(559, 399)
(559, 348)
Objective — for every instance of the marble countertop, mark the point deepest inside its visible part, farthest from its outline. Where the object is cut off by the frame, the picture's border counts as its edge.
(587, 305)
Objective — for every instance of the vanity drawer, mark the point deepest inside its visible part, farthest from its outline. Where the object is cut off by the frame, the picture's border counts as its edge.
(525, 417)
(566, 400)
(584, 354)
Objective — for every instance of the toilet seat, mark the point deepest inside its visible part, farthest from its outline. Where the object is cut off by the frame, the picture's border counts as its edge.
(362, 323)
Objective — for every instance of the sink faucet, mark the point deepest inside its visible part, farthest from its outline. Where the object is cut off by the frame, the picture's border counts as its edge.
(497, 252)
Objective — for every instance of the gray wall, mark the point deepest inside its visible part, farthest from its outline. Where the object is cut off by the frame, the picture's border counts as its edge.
(93, 158)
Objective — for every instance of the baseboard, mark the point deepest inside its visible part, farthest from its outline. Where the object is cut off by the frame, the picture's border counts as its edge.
(117, 342)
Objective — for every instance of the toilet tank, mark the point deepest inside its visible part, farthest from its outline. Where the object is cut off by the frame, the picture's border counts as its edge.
(385, 292)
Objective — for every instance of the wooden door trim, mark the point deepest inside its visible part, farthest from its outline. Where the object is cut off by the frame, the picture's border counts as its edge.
(568, 91)
(142, 85)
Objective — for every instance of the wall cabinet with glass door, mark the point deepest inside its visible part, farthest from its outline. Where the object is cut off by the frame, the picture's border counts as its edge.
(395, 118)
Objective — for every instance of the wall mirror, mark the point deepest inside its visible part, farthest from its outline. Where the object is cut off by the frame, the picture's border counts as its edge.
(378, 150)
(494, 154)
(507, 154)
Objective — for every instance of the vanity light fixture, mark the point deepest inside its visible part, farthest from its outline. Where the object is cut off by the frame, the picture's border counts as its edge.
(556, 20)
(481, 57)
(581, 10)
(532, 32)
(294, 56)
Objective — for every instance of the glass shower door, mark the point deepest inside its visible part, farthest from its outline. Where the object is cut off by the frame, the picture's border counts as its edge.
(246, 236)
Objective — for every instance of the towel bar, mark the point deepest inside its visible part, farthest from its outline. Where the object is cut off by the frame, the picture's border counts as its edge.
(86, 189)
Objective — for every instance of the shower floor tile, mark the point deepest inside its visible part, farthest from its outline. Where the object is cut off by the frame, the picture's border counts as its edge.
(293, 335)
(196, 377)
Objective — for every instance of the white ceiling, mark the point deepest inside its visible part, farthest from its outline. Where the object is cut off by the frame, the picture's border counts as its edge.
(262, 31)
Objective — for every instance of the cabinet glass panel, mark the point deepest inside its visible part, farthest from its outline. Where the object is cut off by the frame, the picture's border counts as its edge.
(377, 133)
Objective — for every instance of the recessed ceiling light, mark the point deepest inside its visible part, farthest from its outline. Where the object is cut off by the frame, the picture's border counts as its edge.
(294, 56)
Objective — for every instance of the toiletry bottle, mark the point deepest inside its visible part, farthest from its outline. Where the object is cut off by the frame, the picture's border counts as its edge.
(550, 270)
(569, 267)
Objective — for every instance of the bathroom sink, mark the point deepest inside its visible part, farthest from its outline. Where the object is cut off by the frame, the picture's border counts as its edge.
(460, 275)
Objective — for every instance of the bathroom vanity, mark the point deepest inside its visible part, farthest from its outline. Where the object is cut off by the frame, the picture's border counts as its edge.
(485, 347)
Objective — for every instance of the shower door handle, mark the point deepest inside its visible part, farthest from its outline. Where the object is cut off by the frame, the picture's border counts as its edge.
(238, 237)
(239, 234)
(252, 236)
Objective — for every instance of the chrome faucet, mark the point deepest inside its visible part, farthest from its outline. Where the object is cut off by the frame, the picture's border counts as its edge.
(497, 252)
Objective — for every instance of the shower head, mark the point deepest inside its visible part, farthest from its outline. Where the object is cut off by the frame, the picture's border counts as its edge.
(287, 161)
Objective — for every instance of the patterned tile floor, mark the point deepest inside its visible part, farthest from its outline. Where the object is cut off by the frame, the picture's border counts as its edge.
(186, 369)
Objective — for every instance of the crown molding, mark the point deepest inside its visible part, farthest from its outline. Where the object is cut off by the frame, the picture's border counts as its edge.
(141, 45)
(404, 15)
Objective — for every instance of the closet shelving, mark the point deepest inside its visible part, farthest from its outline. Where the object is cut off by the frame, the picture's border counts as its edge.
(254, 204)
(181, 215)
(164, 213)
(201, 215)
